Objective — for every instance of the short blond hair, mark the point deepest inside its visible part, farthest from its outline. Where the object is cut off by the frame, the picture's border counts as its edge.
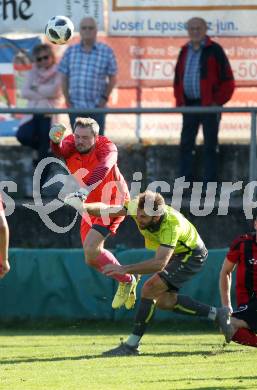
(87, 122)
(152, 203)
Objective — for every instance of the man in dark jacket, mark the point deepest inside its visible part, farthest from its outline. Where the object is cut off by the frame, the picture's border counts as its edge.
(203, 77)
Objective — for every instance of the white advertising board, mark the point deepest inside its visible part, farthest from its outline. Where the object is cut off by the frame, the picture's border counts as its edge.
(168, 17)
(31, 16)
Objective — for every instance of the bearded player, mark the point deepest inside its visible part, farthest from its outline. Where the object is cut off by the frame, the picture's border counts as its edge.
(85, 150)
(180, 254)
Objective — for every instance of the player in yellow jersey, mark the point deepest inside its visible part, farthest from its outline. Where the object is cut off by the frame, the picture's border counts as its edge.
(179, 254)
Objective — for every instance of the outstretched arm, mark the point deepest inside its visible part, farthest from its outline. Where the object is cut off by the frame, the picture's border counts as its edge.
(77, 200)
(156, 264)
(225, 282)
(99, 209)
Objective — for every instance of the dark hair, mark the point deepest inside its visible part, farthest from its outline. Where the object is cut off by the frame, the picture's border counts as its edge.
(152, 203)
(201, 20)
(43, 47)
(87, 122)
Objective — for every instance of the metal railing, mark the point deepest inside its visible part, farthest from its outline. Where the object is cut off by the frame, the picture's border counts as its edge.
(182, 110)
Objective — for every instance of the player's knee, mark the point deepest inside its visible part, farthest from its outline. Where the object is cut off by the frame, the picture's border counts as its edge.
(149, 289)
(91, 253)
(91, 262)
(166, 301)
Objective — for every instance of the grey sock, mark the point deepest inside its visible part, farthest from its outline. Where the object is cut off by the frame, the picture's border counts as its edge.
(212, 313)
(133, 340)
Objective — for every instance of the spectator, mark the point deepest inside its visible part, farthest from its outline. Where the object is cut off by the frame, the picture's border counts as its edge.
(88, 72)
(203, 77)
(242, 256)
(42, 88)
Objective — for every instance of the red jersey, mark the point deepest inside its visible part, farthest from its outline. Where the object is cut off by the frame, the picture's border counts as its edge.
(243, 252)
(100, 168)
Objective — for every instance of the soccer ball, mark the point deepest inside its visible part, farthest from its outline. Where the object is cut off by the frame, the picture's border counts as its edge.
(59, 29)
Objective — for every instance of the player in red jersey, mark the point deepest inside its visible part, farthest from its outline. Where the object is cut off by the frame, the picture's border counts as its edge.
(4, 242)
(100, 181)
(243, 256)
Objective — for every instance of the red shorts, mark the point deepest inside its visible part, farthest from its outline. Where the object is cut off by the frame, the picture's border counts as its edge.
(111, 224)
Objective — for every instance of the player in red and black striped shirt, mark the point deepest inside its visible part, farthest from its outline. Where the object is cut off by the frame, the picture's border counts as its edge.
(4, 242)
(242, 256)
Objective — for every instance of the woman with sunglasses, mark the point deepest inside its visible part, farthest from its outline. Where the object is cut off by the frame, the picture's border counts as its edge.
(42, 89)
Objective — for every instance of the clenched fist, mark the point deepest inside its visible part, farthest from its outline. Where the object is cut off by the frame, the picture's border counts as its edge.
(4, 268)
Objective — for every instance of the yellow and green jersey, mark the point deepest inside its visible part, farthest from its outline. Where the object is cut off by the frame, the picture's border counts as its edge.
(174, 230)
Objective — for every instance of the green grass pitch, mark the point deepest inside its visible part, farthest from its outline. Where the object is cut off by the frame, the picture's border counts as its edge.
(69, 358)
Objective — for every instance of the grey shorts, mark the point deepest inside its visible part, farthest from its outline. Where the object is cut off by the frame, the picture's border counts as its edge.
(182, 267)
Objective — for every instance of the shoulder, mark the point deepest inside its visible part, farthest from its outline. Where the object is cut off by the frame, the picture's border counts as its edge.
(172, 221)
(32, 73)
(173, 215)
(69, 138)
(72, 49)
(183, 49)
(214, 46)
(103, 142)
(53, 71)
(77, 46)
(104, 47)
(181, 55)
(236, 243)
(131, 207)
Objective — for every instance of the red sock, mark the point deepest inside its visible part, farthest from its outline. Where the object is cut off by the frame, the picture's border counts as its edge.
(106, 257)
(246, 337)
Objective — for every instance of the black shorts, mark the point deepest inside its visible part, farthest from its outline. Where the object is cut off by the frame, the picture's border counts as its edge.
(182, 267)
(248, 313)
(104, 230)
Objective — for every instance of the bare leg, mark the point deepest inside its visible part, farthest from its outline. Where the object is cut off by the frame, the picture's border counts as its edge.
(242, 334)
(97, 256)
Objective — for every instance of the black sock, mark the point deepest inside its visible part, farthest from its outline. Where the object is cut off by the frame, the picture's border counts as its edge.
(144, 314)
(187, 305)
